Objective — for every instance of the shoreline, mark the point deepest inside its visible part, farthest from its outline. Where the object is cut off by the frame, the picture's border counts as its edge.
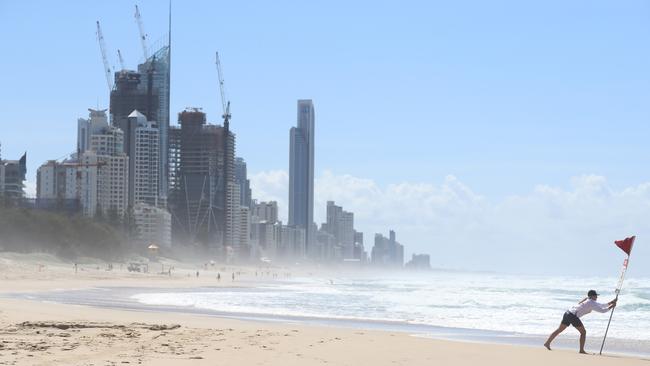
(62, 334)
(121, 299)
(38, 331)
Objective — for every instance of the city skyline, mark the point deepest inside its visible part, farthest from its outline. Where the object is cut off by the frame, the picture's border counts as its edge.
(578, 147)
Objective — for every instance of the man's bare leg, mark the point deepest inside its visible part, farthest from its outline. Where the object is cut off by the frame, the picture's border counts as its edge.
(550, 339)
(583, 337)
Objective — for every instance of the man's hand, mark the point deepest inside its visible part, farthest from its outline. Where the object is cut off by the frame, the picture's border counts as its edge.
(612, 304)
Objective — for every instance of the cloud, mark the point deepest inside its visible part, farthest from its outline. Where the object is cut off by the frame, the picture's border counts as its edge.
(272, 185)
(30, 188)
(547, 230)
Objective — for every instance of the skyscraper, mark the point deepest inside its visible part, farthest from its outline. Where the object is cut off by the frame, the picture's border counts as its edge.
(158, 71)
(201, 200)
(387, 251)
(144, 167)
(104, 170)
(301, 171)
(340, 224)
(241, 178)
(133, 90)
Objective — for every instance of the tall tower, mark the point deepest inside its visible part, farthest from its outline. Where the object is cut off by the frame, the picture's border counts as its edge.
(301, 170)
(202, 198)
(156, 72)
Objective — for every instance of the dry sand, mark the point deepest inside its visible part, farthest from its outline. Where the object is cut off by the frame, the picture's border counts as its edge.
(36, 333)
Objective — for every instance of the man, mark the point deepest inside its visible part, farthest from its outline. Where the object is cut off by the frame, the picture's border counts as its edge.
(572, 317)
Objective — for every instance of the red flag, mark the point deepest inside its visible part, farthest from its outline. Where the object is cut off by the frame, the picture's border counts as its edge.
(626, 244)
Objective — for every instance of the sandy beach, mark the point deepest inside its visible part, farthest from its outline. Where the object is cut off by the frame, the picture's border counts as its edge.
(39, 333)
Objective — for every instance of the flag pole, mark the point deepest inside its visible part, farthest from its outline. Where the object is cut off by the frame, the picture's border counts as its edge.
(626, 246)
(610, 320)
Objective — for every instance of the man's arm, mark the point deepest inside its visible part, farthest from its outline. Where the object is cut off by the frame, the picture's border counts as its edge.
(603, 308)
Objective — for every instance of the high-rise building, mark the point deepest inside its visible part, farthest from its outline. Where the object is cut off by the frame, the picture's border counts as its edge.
(157, 69)
(292, 243)
(56, 180)
(103, 183)
(153, 225)
(359, 250)
(96, 176)
(264, 229)
(133, 91)
(144, 167)
(95, 124)
(201, 200)
(152, 220)
(265, 238)
(2, 178)
(2, 173)
(340, 224)
(241, 178)
(265, 211)
(301, 170)
(233, 220)
(347, 235)
(327, 247)
(419, 261)
(242, 234)
(387, 251)
(112, 170)
(12, 178)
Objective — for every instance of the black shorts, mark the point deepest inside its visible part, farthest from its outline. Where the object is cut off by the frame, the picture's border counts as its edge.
(570, 318)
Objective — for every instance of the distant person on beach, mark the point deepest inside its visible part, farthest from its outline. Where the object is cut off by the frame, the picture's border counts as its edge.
(233, 276)
(219, 277)
(573, 315)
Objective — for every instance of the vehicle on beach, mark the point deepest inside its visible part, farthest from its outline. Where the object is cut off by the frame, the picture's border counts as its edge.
(138, 267)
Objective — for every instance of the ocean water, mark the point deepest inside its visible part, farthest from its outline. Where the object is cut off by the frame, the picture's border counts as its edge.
(527, 305)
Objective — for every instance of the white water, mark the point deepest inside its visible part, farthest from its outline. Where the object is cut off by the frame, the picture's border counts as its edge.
(522, 304)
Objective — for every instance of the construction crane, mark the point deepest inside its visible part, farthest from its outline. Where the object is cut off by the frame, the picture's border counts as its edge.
(107, 67)
(225, 104)
(226, 149)
(119, 56)
(143, 35)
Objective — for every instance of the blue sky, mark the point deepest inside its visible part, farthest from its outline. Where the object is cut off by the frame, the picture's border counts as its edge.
(503, 96)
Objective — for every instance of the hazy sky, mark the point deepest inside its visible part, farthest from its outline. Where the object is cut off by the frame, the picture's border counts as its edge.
(501, 135)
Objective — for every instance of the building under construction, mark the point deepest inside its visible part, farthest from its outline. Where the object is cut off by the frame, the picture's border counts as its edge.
(146, 90)
(202, 173)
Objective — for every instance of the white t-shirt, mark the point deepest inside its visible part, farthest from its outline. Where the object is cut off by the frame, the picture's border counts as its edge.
(587, 306)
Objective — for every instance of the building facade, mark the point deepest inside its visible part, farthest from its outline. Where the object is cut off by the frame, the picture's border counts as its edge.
(241, 178)
(153, 226)
(301, 170)
(265, 211)
(157, 69)
(144, 169)
(340, 224)
(12, 176)
(387, 251)
(203, 192)
(419, 261)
